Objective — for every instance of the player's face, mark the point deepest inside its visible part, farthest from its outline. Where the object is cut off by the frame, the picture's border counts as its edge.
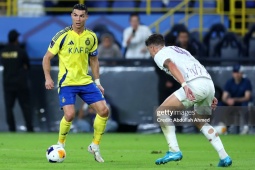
(79, 18)
(151, 49)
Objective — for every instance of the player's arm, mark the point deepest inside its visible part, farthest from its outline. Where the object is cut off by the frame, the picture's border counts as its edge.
(179, 77)
(174, 70)
(94, 64)
(49, 84)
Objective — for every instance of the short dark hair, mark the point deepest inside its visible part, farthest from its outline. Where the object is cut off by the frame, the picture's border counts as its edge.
(155, 39)
(134, 15)
(82, 7)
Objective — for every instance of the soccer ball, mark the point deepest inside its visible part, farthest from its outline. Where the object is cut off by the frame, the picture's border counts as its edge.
(221, 128)
(55, 153)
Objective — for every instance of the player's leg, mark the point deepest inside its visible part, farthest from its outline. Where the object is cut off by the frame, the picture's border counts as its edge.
(172, 102)
(9, 98)
(203, 111)
(169, 128)
(24, 101)
(65, 123)
(99, 128)
(100, 121)
(93, 97)
(213, 137)
(67, 101)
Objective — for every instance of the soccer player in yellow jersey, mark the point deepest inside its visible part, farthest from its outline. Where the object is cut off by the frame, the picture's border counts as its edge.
(76, 47)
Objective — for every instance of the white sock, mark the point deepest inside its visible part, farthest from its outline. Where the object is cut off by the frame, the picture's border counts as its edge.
(213, 137)
(169, 132)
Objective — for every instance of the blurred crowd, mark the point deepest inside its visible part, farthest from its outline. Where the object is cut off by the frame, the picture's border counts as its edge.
(217, 42)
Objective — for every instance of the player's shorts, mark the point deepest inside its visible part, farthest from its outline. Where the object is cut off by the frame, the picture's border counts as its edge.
(203, 90)
(89, 93)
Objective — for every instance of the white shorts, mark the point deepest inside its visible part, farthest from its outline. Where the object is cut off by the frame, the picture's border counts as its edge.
(203, 90)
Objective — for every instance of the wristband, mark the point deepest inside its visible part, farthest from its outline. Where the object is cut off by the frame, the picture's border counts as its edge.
(97, 81)
(184, 84)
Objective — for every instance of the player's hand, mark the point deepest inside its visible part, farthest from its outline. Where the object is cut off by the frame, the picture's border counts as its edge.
(101, 89)
(214, 103)
(49, 84)
(189, 93)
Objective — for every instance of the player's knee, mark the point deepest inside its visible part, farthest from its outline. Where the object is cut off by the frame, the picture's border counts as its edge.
(104, 112)
(212, 134)
(69, 116)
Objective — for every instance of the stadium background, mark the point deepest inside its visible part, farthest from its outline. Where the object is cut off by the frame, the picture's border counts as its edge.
(130, 84)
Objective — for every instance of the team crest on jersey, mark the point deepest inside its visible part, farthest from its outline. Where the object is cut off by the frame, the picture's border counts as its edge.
(63, 100)
(87, 42)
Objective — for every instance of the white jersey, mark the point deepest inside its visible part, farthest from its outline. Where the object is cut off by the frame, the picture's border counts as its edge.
(189, 67)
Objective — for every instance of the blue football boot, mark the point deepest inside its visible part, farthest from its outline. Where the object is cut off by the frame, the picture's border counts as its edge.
(225, 162)
(170, 156)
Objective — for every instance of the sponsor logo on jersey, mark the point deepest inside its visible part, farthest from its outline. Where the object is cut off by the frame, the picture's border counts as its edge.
(78, 50)
(71, 43)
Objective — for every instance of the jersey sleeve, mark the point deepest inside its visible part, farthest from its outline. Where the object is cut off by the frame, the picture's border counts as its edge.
(94, 51)
(54, 45)
(160, 58)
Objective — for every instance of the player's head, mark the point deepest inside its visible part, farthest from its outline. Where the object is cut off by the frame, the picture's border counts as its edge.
(134, 20)
(154, 43)
(79, 15)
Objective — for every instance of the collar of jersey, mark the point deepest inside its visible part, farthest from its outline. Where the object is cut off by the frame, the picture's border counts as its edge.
(75, 33)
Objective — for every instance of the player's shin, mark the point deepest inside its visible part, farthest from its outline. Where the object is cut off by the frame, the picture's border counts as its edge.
(99, 128)
(64, 128)
(213, 137)
(169, 132)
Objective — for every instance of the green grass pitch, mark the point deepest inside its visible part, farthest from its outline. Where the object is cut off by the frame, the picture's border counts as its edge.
(122, 151)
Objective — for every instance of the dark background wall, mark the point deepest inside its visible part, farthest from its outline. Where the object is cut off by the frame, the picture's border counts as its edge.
(132, 91)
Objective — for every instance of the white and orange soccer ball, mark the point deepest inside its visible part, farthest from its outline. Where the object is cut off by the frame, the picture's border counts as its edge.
(221, 128)
(55, 154)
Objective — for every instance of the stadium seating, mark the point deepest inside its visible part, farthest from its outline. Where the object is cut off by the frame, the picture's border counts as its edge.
(249, 41)
(214, 35)
(229, 48)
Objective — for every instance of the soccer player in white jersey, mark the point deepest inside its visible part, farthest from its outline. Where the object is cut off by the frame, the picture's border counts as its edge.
(197, 90)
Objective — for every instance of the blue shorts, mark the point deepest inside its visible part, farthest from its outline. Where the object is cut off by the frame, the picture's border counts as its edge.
(89, 93)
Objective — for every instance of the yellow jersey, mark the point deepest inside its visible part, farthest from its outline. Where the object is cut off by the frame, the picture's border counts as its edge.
(74, 51)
